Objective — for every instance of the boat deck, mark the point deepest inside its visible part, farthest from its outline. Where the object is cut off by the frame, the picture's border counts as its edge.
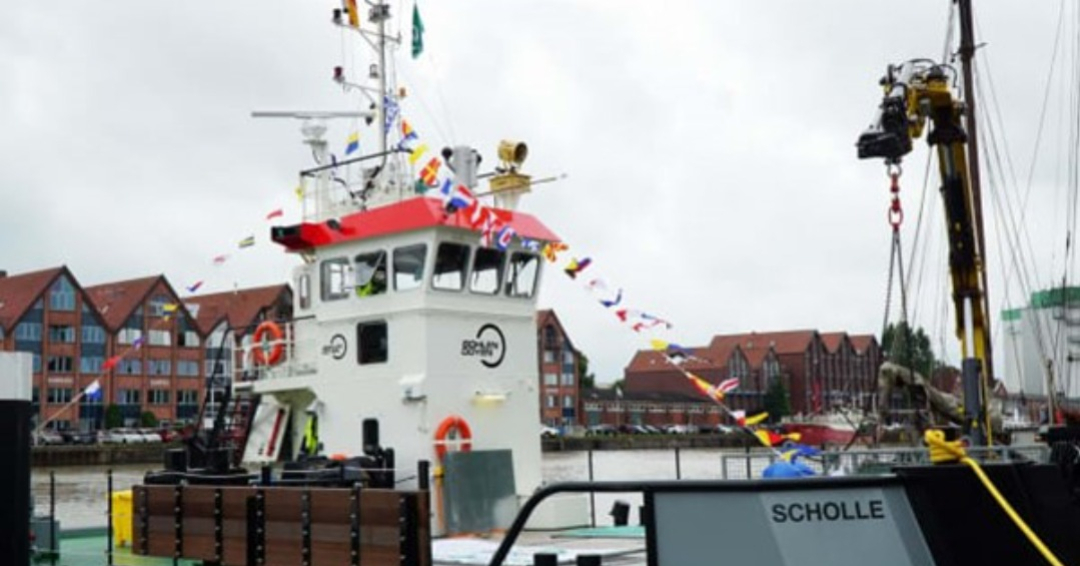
(88, 549)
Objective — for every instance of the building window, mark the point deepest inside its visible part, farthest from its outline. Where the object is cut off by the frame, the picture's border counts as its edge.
(159, 367)
(551, 379)
(37, 363)
(568, 401)
(337, 278)
(568, 357)
(59, 364)
(157, 305)
(487, 271)
(129, 367)
(409, 267)
(28, 331)
(450, 263)
(62, 295)
(92, 334)
(523, 271)
(551, 401)
(186, 397)
(160, 337)
(128, 396)
(188, 339)
(128, 335)
(187, 368)
(90, 364)
(59, 395)
(568, 379)
(373, 342)
(61, 334)
(158, 396)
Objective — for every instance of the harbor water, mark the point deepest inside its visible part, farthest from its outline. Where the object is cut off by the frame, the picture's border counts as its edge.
(81, 492)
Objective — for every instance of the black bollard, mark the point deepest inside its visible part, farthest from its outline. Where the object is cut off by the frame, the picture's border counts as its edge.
(588, 560)
(15, 380)
(620, 513)
(545, 559)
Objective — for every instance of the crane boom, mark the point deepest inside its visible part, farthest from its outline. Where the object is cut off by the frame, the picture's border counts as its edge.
(918, 92)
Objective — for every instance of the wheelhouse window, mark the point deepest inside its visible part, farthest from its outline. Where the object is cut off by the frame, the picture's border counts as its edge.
(521, 281)
(373, 342)
(304, 288)
(409, 267)
(371, 274)
(487, 271)
(451, 262)
(337, 277)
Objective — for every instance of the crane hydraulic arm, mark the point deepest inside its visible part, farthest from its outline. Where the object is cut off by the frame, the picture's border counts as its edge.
(917, 92)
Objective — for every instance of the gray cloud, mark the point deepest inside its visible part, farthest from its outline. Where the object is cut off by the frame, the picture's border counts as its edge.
(709, 144)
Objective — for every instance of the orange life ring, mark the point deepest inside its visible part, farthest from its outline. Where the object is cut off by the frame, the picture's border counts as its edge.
(464, 435)
(277, 345)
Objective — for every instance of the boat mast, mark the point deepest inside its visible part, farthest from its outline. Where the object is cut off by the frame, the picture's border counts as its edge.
(967, 53)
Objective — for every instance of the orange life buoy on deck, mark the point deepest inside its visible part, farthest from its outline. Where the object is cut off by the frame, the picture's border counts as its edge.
(277, 345)
(464, 435)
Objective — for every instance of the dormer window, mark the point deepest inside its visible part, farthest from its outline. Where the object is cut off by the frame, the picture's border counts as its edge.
(451, 261)
(521, 281)
(487, 271)
(409, 267)
(371, 274)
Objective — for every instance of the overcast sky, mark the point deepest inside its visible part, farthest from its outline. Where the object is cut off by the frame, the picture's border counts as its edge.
(709, 145)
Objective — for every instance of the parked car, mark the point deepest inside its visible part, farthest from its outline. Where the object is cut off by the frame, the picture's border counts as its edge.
(77, 437)
(47, 438)
(652, 429)
(676, 429)
(632, 429)
(549, 432)
(124, 436)
(149, 435)
(168, 434)
(601, 430)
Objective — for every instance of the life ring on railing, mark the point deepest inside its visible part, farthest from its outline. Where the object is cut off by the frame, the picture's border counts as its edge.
(264, 355)
(464, 435)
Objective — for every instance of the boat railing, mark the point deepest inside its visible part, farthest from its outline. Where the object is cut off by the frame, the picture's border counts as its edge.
(298, 355)
(874, 460)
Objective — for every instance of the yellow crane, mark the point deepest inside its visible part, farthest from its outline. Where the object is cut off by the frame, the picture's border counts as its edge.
(920, 94)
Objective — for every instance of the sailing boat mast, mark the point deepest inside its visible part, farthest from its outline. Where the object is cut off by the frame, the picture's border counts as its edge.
(967, 53)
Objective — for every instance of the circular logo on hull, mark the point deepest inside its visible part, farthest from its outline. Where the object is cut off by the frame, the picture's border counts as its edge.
(489, 346)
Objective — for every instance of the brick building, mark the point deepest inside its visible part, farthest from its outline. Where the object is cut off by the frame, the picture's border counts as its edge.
(818, 370)
(72, 330)
(560, 379)
(227, 321)
(657, 408)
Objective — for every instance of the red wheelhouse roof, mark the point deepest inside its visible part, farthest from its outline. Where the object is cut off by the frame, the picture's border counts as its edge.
(406, 216)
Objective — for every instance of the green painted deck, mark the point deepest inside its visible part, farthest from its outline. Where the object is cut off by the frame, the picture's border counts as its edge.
(88, 549)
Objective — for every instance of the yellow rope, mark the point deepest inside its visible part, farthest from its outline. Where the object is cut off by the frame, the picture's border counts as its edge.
(942, 451)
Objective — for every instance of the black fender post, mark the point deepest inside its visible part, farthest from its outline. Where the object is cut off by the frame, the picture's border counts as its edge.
(15, 431)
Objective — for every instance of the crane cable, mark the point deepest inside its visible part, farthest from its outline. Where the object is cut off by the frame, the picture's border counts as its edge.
(902, 332)
(942, 451)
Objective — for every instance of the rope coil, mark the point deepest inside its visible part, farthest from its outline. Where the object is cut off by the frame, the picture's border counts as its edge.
(943, 451)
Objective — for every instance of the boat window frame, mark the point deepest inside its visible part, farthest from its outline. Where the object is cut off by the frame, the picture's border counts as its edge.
(464, 267)
(499, 277)
(511, 278)
(363, 354)
(419, 284)
(384, 262)
(348, 272)
(303, 289)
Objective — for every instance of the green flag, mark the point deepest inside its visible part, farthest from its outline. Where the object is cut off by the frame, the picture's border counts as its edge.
(417, 32)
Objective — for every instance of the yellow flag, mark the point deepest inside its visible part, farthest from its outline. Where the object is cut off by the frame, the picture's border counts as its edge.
(658, 345)
(756, 419)
(418, 153)
(299, 190)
